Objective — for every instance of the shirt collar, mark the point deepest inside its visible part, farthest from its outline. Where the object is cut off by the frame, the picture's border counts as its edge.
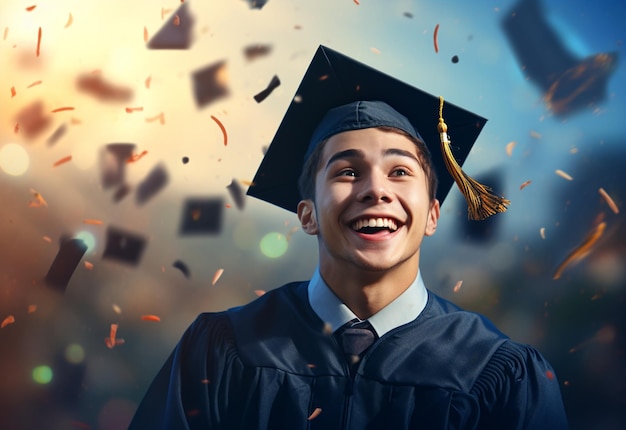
(404, 309)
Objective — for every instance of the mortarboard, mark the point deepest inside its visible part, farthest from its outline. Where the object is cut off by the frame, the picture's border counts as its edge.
(210, 83)
(176, 33)
(124, 246)
(153, 183)
(113, 163)
(70, 253)
(202, 216)
(332, 80)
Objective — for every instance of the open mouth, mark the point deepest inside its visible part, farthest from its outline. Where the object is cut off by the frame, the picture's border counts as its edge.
(375, 225)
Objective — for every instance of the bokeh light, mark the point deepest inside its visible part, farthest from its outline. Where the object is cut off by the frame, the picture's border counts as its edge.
(14, 159)
(42, 374)
(74, 353)
(273, 245)
(88, 238)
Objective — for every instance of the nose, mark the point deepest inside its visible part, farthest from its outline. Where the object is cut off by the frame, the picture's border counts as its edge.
(374, 188)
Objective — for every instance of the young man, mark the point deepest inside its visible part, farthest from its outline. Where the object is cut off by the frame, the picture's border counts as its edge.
(363, 344)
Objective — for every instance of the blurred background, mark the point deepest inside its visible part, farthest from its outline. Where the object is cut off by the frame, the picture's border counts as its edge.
(129, 132)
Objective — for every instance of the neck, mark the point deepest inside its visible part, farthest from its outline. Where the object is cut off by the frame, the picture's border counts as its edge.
(366, 292)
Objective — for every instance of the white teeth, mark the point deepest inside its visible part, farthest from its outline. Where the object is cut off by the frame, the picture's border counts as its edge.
(375, 222)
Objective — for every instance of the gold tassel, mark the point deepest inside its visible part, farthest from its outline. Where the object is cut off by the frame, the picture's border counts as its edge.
(481, 201)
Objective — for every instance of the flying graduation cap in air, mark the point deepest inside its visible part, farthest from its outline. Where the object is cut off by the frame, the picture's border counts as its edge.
(332, 80)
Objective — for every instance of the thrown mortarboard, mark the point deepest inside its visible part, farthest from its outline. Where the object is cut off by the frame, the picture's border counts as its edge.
(113, 163)
(176, 33)
(210, 83)
(153, 183)
(332, 80)
(32, 120)
(94, 84)
(202, 216)
(257, 50)
(274, 83)
(256, 4)
(65, 263)
(124, 246)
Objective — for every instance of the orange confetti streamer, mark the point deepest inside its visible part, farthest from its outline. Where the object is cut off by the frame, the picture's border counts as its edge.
(92, 221)
(62, 161)
(150, 318)
(246, 182)
(13, 92)
(525, 184)
(38, 41)
(32, 309)
(88, 265)
(47, 239)
(8, 320)
(6, 33)
(457, 286)
(315, 414)
(34, 84)
(563, 175)
(177, 20)
(259, 293)
(509, 148)
(217, 276)
(136, 157)
(160, 117)
(116, 309)
(31, 8)
(609, 201)
(62, 109)
(221, 126)
(148, 81)
(581, 251)
(356, 2)
(375, 50)
(436, 43)
(134, 109)
(69, 22)
(145, 34)
(110, 341)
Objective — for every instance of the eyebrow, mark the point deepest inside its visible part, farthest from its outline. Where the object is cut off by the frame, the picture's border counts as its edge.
(358, 153)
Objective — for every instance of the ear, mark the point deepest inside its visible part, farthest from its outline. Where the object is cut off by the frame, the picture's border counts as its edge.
(433, 218)
(306, 215)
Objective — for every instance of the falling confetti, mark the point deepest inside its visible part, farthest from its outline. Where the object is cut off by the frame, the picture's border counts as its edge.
(221, 126)
(542, 232)
(581, 251)
(457, 286)
(31, 309)
(69, 22)
(525, 184)
(62, 161)
(563, 175)
(38, 201)
(111, 341)
(38, 41)
(259, 293)
(116, 309)
(160, 117)
(6, 33)
(88, 265)
(535, 135)
(178, 264)
(609, 201)
(13, 92)
(435, 41)
(92, 221)
(509, 148)
(134, 109)
(549, 375)
(31, 8)
(153, 318)
(62, 109)
(148, 82)
(375, 50)
(314, 414)
(136, 157)
(47, 239)
(216, 276)
(145, 34)
(8, 320)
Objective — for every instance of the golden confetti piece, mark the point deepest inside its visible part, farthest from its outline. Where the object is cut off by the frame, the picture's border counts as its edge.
(93, 221)
(69, 22)
(145, 34)
(457, 286)
(88, 265)
(153, 318)
(524, 184)
(609, 201)
(375, 51)
(34, 84)
(38, 41)
(148, 82)
(509, 148)
(39, 200)
(31, 309)
(116, 309)
(216, 276)
(535, 135)
(160, 117)
(62, 161)
(134, 109)
(110, 341)
(435, 41)
(75, 121)
(259, 293)
(314, 414)
(31, 8)
(246, 182)
(62, 109)
(47, 239)
(581, 251)
(6, 33)
(221, 126)
(177, 20)
(136, 157)
(13, 92)
(8, 320)
(542, 232)
(356, 2)
(563, 175)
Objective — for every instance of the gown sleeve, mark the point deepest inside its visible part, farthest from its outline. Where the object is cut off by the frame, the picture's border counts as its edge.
(520, 391)
(187, 392)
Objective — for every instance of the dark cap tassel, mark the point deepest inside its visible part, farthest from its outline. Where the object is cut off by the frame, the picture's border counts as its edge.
(481, 201)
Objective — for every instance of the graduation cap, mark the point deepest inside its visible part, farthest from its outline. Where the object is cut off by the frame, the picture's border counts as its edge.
(202, 216)
(176, 33)
(123, 246)
(113, 163)
(70, 253)
(210, 83)
(332, 80)
(256, 4)
(153, 183)
(274, 83)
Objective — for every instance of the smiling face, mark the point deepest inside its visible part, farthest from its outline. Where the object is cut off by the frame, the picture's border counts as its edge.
(372, 207)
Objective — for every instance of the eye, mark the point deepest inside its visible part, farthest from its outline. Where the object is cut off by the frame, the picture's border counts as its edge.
(400, 172)
(347, 172)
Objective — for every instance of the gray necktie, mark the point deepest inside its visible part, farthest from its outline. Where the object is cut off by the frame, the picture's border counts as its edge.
(355, 338)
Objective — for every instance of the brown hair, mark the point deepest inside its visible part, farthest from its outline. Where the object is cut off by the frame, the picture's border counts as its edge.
(306, 181)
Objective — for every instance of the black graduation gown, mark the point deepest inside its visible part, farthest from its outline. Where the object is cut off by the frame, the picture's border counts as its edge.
(270, 365)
